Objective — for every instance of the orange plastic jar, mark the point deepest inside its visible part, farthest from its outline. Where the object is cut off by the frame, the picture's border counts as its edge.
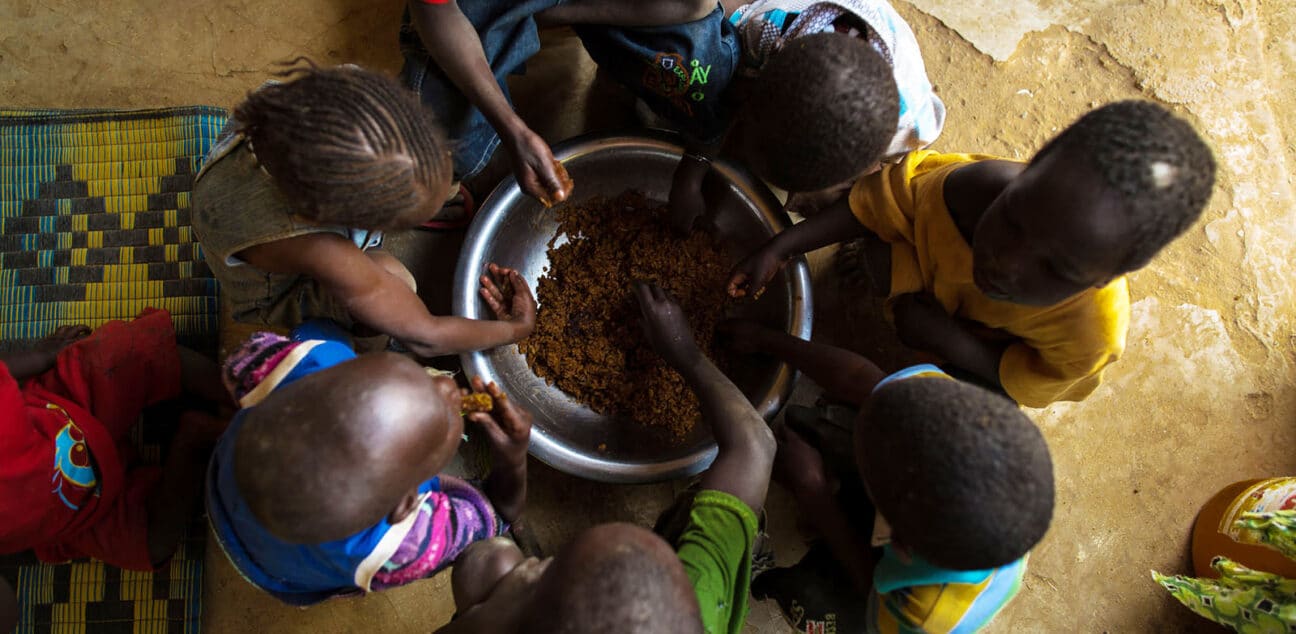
(1214, 534)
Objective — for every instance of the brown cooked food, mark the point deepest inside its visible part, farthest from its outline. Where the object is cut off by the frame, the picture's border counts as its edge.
(589, 341)
(476, 402)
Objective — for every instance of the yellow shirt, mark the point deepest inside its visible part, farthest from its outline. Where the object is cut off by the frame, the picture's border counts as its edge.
(1059, 351)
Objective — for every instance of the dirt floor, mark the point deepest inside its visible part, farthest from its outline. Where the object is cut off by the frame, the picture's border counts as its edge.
(1204, 395)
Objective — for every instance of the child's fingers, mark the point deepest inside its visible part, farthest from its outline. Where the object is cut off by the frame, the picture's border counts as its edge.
(496, 308)
(657, 292)
(489, 285)
(736, 284)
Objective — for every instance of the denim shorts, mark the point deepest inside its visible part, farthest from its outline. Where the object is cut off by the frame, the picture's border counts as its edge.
(681, 71)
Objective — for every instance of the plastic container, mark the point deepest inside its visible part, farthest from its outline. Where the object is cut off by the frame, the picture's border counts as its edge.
(1214, 534)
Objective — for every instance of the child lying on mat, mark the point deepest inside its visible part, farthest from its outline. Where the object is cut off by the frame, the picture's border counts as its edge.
(70, 486)
(326, 483)
(622, 578)
(292, 202)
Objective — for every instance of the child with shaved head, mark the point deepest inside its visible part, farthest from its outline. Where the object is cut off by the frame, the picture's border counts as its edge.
(622, 578)
(953, 481)
(326, 483)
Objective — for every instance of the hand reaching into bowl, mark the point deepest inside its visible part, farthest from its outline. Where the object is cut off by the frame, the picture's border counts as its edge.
(667, 328)
(509, 298)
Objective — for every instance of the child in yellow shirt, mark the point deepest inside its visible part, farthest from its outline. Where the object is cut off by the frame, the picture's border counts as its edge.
(1014, 272)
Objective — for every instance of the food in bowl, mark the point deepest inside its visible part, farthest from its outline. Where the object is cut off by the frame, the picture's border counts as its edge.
(588, 340)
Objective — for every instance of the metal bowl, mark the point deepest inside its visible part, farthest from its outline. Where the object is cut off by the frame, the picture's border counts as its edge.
(512, 230)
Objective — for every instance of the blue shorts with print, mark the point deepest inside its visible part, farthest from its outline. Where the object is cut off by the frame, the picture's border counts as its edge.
(681, 71)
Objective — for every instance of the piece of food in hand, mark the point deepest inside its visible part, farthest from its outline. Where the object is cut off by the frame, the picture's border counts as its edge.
(565, 183)
(477, 402)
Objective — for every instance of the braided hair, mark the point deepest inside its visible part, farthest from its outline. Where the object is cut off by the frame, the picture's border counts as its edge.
(1154, 160)
(349, 146)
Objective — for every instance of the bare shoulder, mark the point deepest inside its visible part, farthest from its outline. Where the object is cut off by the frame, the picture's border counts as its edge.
(981, 178)
(307, 254)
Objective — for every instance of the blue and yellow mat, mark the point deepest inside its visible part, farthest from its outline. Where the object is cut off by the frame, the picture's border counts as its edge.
(94, 226)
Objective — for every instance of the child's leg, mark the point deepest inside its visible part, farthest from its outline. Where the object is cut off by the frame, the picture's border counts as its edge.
(509, 39)
(680, 70)
(626, 12)
(173, 500)
(145, 523)
(120, 369)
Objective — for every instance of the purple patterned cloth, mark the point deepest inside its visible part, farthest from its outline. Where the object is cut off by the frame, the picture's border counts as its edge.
(448, 521)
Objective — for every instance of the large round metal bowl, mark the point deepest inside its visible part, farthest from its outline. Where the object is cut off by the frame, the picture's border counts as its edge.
(513, 230)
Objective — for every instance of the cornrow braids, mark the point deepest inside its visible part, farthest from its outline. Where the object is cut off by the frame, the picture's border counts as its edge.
(1154, 160)
(349, 146)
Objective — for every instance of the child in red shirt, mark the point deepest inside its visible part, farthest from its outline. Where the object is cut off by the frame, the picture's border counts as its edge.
(69, 484)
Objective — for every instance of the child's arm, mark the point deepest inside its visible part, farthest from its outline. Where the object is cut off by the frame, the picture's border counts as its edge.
(453, 44)
(385, 303)
(923, 324)
(746, 446)
(843, 374)
(508, 428)
(835, 224)
(799, 467)
(685, 201)
(25, 364)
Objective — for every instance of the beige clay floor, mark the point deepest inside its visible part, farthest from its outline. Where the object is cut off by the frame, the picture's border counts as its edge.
(1206, 392)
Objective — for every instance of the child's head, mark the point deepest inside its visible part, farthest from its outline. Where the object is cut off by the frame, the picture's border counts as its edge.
(960, 473)
(610, 578)
(1100, 200)
(334, 452)
(823, 111)
(349, 147)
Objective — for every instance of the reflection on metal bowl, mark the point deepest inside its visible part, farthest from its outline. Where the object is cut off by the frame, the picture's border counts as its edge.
(513, 230)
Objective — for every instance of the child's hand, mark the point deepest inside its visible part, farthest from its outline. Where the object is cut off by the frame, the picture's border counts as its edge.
(742, 335)
(686, 205)
(536, 170)
(61, 338)
(755, 271)
(799, 467)
(921, 322)
(667, 329)
(507, 426)
(509, 298)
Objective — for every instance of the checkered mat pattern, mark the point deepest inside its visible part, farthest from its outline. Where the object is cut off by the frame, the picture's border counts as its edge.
(95, 212)
(94, 226)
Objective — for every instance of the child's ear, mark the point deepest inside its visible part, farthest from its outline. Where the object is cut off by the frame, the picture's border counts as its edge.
(403, 508)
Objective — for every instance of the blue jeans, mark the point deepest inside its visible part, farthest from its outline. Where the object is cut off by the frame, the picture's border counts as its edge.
(680, 70)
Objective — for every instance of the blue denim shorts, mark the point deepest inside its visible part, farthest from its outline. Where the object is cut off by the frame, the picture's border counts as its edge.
(680, 70)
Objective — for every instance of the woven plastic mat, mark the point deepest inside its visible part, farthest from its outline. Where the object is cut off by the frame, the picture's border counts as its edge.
(94, 226)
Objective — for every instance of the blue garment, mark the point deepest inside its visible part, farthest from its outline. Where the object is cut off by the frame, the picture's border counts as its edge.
(297, 574)
(680, 70)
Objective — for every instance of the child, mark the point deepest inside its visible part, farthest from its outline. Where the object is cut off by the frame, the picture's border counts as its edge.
(459, 55)
(824, 92)
(961, 480)
(326, 483)
(71, 487)
(1011, 272)
(290, 207)
(620, 578)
